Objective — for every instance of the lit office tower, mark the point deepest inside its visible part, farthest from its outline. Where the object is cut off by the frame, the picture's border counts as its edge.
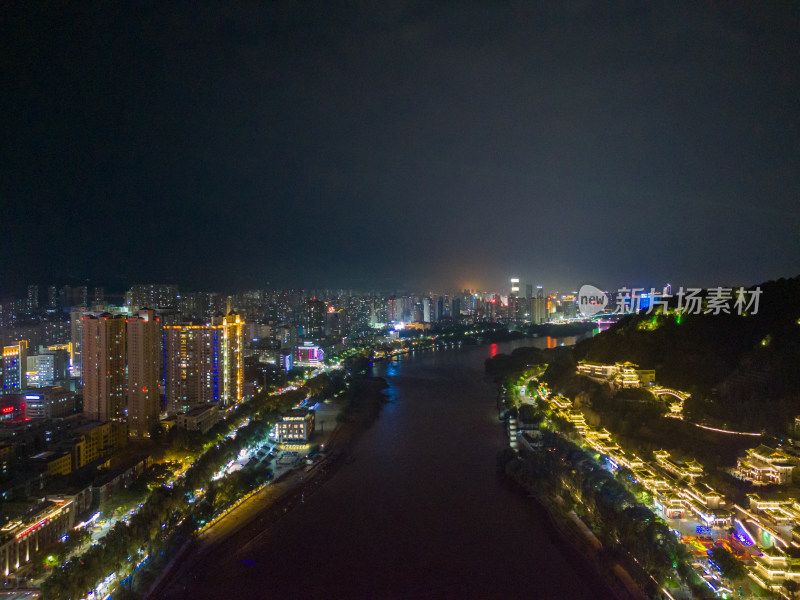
(315, 319)
(103, 368)
(426, 309)
(13, 367)
(144, 350)
(233, 361)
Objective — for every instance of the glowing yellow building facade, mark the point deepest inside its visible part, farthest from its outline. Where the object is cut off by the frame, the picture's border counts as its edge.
(233, 362)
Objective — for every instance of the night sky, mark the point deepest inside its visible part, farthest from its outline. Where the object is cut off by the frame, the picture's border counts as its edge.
(384, 144)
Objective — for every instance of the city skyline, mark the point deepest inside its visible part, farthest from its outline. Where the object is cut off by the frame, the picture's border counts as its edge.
(400, 145)
(400, 298)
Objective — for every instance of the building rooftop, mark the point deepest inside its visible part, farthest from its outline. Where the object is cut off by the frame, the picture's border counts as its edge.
(200, 410)
(297, 414)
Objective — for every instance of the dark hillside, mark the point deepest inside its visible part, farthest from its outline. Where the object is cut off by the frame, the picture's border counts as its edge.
(743, 370)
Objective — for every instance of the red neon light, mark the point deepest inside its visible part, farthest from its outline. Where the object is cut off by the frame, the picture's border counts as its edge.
(32, 527)
(8, 409)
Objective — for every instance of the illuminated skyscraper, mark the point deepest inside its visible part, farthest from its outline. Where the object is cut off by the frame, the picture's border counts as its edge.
(513, 300)
(336, 323)
(33, 298)
(233, 361)
(52, 297)
(539, 312)
(455, 310)
(14, 365)
(192, 365)
(76, 337)
(154, 295)
(394, 310)
(315, 319)
(144, 350)
(103, 372)
(204, 363)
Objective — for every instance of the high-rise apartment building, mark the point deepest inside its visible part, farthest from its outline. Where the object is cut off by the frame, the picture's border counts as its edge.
(52, 297)
(455, 310)
(336, 323)
(73, 296)
(426, 309)
(143, 337)
(33, 298)
(513, 309)
(394, 310)
(14, 364)
(233, 359)
(539, 311)
(153, 295)
(76, 337)
(315, 319)
(103, 369)
(204, 363)
(191, 365)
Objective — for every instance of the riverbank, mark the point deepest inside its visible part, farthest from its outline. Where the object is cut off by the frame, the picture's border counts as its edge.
(578, 548)
(571, 536)
(417, 511)
(245, 525)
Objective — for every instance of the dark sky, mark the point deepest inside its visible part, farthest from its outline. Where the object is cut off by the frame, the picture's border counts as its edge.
(414, 143)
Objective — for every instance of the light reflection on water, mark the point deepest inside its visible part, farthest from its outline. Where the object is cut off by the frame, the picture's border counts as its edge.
(420, 496)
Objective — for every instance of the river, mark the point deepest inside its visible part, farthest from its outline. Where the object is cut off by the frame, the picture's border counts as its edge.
(419, 513)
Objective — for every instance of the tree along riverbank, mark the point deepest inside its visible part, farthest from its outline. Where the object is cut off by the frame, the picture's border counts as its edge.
(597, 512)
(360, 410)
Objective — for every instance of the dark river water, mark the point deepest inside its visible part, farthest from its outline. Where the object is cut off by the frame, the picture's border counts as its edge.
(420, 512)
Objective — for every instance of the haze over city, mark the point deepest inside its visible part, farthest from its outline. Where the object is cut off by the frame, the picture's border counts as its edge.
(399, 144)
